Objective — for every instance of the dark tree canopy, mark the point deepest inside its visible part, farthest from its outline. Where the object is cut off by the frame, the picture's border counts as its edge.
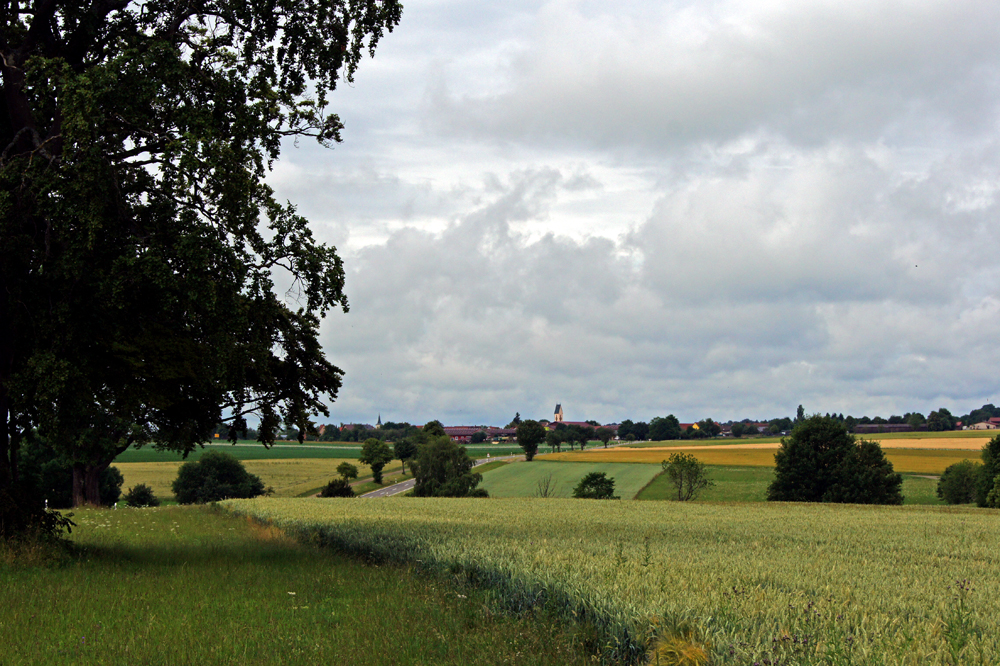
(821, 462)
(442, 468)
(530, 434)
(140, 242)
(215, 476)
(664, 428)
(957, 484)
(988, 484)
(376, 454)
(595, 485)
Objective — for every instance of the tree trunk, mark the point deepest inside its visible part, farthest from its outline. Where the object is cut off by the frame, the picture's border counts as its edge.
(79, 499)
(92, 483)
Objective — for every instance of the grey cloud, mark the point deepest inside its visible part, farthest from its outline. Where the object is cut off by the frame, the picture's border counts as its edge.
(716, 70)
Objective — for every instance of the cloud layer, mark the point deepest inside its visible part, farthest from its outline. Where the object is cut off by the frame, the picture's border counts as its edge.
(715, 209)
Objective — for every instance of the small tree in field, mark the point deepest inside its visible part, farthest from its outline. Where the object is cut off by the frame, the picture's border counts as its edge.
(687, 474)
(376, 454)
(605, 435)
(529, 435)
(347, 471)
(596, 485)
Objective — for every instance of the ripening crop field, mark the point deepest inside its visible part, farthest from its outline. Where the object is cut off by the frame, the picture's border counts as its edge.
(753, 583)
(289, 478)
(907, 461)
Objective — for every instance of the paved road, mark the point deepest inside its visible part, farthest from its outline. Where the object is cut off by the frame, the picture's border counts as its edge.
(403, 486)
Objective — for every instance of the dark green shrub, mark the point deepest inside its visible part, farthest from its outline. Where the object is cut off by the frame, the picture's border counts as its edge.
(958, 483)
(338, 488)
(988, 474)
(442, 468)
(822, 462)
(23, 515)
(141, 495)
(215, 476)
(347, 471)
(596, 485)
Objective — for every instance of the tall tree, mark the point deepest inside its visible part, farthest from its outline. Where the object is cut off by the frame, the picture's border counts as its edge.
(664, 428)
(140, 242)
(530, 434)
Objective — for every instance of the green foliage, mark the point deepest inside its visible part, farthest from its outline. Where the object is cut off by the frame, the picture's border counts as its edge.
(339, 487)
(376, 454)
(940, 420)
(213, 477)
(49, 474)
(821, 462)
(347, 471)
(957, 484)
(687, 474)
(478, 437)
(141, 495)
(596, 485)
(987, 483)
(530, 434)
(604, 435)
(442, 468)
(141, 243)
(664, 428)
(737, 429)
(23, 516)
(433, 429)
(404, 449)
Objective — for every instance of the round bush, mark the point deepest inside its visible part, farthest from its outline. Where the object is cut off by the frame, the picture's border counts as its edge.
(141, 495)
(215, 476)
(338, 488)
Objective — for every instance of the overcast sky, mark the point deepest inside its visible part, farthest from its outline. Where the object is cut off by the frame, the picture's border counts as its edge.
(710, 209)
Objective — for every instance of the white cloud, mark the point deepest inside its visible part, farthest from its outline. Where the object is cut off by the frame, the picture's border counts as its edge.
(709, 208)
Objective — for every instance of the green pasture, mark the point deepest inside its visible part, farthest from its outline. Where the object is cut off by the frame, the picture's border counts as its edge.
(521, 479)
(749, 484)
(185, 585)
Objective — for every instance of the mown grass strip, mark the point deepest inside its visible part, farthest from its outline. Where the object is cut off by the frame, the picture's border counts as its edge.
(184, 585)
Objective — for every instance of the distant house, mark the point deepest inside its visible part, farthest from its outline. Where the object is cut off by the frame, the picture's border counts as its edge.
(985, 425)
(356, 426)
(465, 433)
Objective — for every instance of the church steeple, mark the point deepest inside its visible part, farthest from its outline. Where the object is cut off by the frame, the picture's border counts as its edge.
(379, 423)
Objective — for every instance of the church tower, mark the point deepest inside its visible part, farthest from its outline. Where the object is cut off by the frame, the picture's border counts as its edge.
(558, 417)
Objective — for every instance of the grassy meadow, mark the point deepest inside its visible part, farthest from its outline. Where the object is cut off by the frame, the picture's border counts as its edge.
(296, 477)
(521, 479)
(749, 583)
(187, 585)
(749, 484)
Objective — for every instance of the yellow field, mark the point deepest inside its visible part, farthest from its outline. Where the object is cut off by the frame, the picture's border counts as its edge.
(289, 478)
(910, 461)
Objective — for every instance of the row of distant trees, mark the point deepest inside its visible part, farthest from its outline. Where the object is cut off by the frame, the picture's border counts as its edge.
(657, 429)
